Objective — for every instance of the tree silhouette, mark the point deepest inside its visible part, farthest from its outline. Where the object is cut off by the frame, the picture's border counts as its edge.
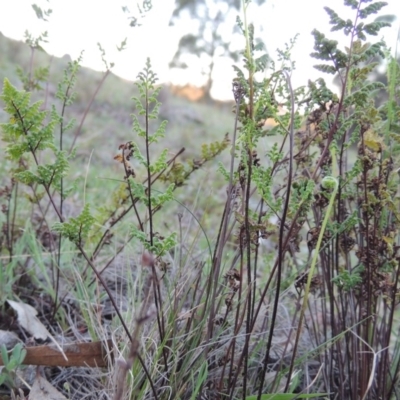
(214, 27)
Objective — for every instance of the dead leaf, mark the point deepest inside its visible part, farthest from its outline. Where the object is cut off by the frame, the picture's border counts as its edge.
(9, 339)
(128, 166)
(119, 158)
(43, 390)
(28, 320)
(184, 315)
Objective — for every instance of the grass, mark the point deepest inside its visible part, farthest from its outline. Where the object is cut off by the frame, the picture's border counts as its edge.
(263, 266)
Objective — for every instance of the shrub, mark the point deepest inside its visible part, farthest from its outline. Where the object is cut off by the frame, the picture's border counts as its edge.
(292, 292)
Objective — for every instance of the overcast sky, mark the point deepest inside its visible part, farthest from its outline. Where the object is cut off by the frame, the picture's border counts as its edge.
(77, 25)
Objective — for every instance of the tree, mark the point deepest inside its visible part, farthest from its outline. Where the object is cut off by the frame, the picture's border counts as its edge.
(214, 31)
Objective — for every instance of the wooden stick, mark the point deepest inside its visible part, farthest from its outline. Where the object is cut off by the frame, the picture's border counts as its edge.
(92, 354)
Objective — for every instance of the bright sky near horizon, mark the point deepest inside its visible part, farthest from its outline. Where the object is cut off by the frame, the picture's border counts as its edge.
(77, 25)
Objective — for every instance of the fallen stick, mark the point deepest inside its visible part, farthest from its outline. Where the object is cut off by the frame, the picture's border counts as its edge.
(91, 354)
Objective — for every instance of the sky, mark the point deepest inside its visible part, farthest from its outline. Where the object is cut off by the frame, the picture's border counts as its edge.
(77, 25)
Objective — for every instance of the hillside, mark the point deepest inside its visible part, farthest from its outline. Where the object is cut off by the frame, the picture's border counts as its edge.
(176, 250)
(109, 120)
